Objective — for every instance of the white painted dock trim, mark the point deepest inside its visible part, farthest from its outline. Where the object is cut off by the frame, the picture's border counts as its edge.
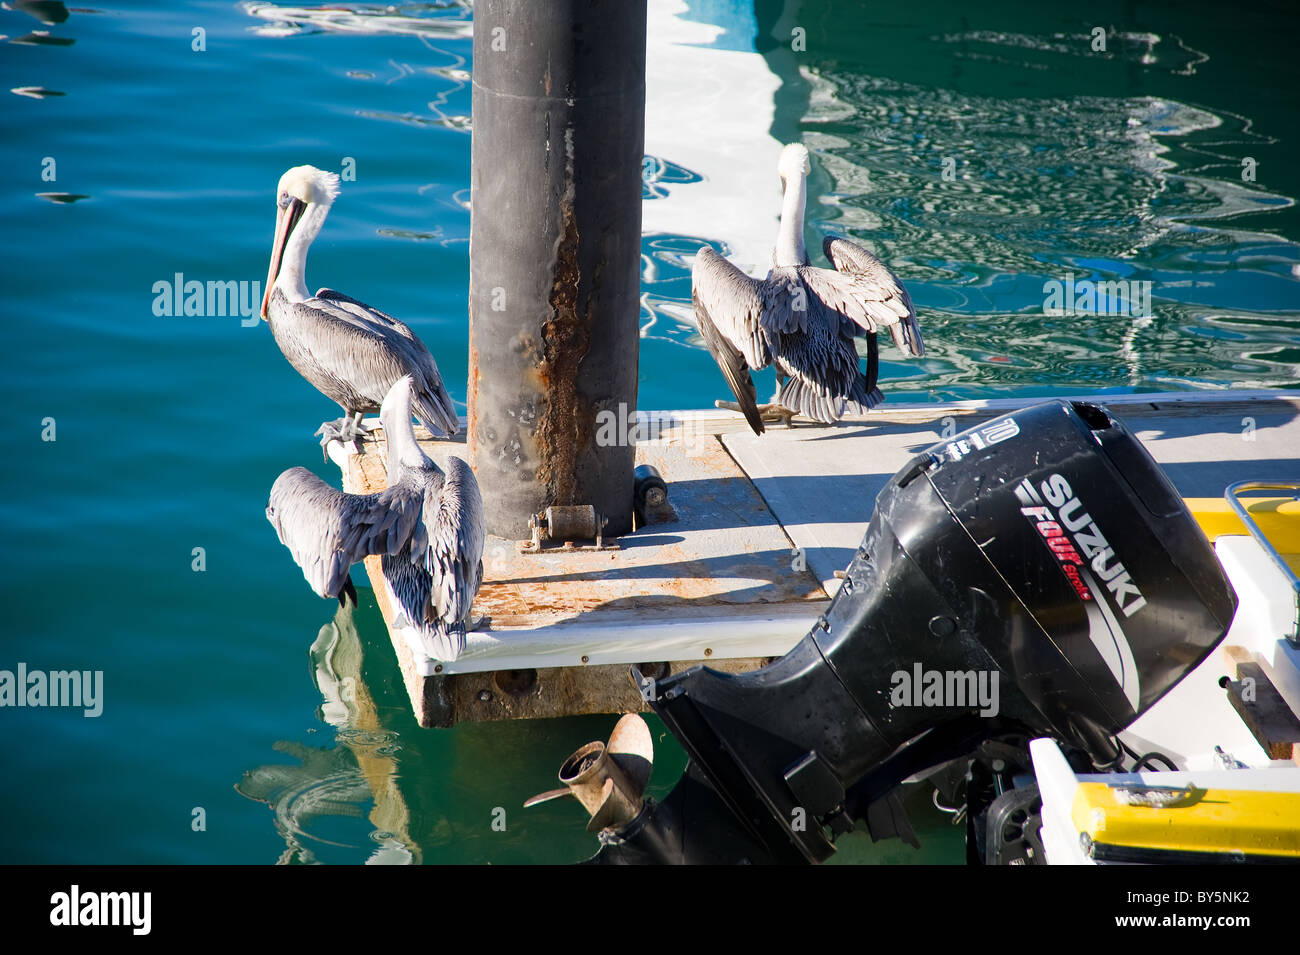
(728, 633)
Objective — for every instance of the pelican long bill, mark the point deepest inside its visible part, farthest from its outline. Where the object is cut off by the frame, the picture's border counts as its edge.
(285, 219)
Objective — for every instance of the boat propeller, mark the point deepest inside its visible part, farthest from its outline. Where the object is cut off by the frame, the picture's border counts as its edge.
(609, 779)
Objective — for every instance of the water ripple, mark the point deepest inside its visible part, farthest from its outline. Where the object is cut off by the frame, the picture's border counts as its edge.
(450, 19)
(978, 202)
(1132, 47)
(36, 92)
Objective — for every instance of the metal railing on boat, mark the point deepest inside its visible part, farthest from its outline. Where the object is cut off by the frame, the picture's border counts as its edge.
(1232, 495)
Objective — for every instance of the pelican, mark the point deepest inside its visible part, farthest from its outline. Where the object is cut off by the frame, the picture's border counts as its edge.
(427, 525)
(802, 319)
(351, 352)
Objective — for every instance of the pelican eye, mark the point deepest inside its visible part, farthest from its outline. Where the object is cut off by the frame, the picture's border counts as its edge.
(284, 200)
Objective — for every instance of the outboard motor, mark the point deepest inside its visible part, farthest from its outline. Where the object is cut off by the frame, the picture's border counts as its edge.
(1035, 575)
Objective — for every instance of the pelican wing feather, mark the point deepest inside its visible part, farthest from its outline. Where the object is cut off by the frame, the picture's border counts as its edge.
(357, 352)
(729, 313)
(453, 519)
(813, 344)
(327, 530)
(868, 293)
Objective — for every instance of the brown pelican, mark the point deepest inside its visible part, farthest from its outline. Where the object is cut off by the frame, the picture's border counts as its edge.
(351, 352)
(802, 319)
(427, 525)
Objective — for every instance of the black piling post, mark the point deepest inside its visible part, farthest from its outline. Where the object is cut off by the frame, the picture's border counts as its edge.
(555, 244)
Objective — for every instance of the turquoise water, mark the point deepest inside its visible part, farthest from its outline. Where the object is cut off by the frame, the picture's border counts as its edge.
(170, 429)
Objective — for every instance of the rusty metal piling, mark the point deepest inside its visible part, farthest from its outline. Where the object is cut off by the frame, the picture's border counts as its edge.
(555, 243)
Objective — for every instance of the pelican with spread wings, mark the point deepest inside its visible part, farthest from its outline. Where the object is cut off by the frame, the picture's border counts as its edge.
(802, 319)
(427, 525)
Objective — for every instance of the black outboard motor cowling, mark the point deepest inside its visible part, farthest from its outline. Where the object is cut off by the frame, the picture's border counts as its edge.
(1036, 573)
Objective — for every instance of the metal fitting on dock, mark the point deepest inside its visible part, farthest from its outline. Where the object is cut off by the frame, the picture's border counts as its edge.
(562, 527)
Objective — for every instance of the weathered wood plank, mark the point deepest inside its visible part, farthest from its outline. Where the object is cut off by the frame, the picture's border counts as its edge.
(560, 691)
(1264, 712)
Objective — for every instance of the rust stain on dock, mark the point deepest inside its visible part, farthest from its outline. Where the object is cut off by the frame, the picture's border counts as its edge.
(726, 547)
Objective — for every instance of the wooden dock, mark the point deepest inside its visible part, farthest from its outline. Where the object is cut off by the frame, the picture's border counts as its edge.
(761, 525)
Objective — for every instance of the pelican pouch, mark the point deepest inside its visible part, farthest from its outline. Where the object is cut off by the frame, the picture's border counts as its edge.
(1036, 574)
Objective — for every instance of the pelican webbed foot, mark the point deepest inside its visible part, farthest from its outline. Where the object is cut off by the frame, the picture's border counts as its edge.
(346, 431)
(770, 413)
